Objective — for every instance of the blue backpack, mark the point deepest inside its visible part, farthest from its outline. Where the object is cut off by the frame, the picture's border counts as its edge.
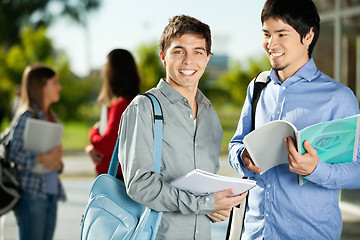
(110, 212)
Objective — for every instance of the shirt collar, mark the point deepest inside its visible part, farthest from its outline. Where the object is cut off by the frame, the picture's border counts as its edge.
(307, 72)
(37, 111)
(174, 96)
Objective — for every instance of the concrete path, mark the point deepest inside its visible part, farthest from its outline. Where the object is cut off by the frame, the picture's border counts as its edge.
(77, 179)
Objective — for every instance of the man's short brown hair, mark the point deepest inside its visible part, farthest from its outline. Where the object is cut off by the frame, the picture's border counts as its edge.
(180, 25)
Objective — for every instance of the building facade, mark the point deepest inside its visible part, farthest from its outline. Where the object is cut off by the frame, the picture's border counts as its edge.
(337, 53)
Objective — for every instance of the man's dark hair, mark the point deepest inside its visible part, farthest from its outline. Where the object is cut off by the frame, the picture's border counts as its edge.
(180, 25)
(302, 15)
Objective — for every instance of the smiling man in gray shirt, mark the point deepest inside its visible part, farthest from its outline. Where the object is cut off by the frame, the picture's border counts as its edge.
(192, 137)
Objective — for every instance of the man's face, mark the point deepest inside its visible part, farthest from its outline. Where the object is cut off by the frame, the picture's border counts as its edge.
(283, 47)
(185, 61)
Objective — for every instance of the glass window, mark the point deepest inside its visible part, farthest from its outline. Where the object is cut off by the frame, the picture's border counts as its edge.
(350, 51)
(349, 3)
(351, 196)
(324, 49)
(325, 5)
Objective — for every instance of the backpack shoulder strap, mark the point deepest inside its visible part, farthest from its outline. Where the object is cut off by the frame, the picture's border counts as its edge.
(261, 81)
(158, 132)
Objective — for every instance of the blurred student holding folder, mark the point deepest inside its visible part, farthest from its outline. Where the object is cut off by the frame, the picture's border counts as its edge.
(120, 86)
(280, 208)
(36, 212)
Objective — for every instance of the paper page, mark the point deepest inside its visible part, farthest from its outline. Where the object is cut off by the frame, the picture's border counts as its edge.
(103, 119)
(200, 182)
(42, 136)
(266, 144)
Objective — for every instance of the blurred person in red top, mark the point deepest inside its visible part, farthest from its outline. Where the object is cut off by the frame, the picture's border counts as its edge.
(120, 86)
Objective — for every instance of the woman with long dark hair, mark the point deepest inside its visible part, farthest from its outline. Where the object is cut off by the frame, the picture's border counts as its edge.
(120, 85)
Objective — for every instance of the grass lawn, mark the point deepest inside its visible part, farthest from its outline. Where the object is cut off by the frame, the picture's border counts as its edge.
(229, 118)
(76, 133)
(76, 136)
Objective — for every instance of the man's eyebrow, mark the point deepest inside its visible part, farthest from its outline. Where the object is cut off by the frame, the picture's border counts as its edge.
(196, 48)
(179, 47)
(200, 48)
(277, 31)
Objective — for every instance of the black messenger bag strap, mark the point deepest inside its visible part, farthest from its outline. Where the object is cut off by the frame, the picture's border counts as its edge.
(260, 83)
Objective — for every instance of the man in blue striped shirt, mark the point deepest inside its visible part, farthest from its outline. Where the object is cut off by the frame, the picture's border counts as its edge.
(279, 208)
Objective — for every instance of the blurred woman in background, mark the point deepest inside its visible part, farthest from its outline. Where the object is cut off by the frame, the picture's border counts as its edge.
(40, 190)
(120, 85)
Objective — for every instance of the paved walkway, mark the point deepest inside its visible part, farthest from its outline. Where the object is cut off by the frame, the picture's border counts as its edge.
(77, 180)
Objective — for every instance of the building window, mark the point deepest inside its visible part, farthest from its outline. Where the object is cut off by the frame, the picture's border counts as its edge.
(350, 53)
(350, 3)
(325, 5)
(324, 49)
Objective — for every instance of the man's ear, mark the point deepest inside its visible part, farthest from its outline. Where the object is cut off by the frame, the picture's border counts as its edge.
(162, 58)
(309, 37)
(208, 59)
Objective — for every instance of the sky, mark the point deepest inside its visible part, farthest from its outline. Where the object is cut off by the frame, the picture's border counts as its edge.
(235, 26)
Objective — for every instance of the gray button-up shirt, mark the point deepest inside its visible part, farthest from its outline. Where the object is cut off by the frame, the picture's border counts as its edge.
(184, 148)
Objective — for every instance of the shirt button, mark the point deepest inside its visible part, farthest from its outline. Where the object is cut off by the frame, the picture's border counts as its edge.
(277, 113)
(267, 215)
(283, 88)
(197, 230)
(207, 199)
(191, 116)
(269, 185)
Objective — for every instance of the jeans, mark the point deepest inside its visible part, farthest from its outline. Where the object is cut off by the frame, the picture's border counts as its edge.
(36, 218)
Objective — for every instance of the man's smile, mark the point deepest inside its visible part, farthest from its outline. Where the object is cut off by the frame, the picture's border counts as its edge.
(187, 72)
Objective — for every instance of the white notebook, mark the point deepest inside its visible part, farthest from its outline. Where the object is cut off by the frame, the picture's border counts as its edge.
(103, 119)
(41, 137)
(200, 182)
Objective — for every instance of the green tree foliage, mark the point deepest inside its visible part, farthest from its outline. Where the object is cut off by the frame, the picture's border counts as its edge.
(232, 85)
(15, 14)
(36, 47)
(205, 85)
(149, 66)
(76, 94)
